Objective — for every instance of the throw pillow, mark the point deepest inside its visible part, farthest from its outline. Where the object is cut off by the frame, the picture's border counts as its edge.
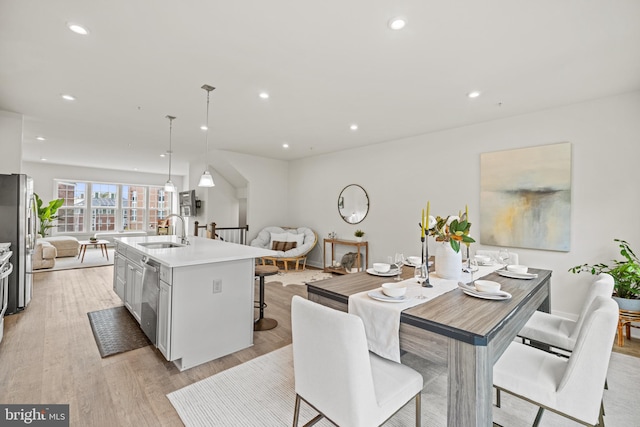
(294, 237)
(280, 237)
(282, 246)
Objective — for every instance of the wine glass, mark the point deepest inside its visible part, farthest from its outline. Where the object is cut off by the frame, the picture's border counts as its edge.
(503, 256)
(420, 274)
(399, 261)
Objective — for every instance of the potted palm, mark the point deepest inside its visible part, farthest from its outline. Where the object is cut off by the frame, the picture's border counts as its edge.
(625, 273)
(47, 214)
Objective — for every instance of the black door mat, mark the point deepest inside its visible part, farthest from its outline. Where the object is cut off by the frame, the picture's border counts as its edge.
(116, 331)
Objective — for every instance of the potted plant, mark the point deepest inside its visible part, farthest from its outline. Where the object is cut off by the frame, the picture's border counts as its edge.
(358, 234)
(47, 214)
(625, 273)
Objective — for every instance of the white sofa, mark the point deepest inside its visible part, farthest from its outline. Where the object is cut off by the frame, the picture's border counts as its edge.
(65, 245)
(302, 238)
(44, 255)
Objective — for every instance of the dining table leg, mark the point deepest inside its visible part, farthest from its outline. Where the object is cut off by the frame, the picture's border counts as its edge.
(470, 385)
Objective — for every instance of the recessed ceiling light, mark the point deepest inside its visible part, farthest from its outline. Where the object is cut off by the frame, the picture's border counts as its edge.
(203, 127)
(397, 23)
(473, 94)
(285, 145)
(353, 127)
(78, 29)
(264, 95)
(42, 159)
(41, 138)
(162, 155)
(68, 97)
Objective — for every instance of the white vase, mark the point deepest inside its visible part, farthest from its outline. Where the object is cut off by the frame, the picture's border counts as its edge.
(448, 262)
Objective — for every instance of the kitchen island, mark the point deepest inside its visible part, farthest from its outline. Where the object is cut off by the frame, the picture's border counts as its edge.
(196, 299)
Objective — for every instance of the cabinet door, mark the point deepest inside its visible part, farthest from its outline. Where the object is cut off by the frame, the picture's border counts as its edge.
(133, 289)
(136, 304)
(163, 338)
(119, 278)
(128, 288)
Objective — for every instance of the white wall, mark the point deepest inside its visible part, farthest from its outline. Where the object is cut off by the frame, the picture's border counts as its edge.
(444, 167)
(267, 191)
(11, 142)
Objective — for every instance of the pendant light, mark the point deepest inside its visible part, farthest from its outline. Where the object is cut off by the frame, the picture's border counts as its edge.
(206, 180)
(168, 186)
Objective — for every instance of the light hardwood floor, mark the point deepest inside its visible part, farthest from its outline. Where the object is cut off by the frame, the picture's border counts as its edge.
(49, 355)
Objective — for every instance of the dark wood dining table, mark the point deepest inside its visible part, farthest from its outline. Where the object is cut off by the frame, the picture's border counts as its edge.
(467, 334)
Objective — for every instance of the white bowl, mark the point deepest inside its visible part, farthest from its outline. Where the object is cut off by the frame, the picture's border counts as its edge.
(482, 259)
(394, 289)
(487, 286)
(517, 268)
(414, 260)
(381, 267)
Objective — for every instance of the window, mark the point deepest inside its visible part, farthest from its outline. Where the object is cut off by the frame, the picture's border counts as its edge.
(110, 207)
(158, 207)
(103, 207)
(71, 215)
(133, 207)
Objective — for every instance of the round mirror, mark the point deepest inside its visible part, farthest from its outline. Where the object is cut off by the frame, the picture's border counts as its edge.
(353, 204)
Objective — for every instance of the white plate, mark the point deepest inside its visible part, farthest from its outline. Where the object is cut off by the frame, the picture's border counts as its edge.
(378, 295)
(514, 275)
(469, 290)
(501, 296)
(387, 274)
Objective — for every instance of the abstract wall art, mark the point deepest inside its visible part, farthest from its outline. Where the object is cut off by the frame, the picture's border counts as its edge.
(525, 197)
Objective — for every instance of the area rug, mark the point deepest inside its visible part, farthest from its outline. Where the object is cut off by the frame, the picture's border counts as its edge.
(298, 277)
(261, 393)
(93, 258)
(116, 331)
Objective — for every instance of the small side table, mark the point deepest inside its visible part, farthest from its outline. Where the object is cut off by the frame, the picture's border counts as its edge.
(626, 318)
(262, 323)
(101, 243)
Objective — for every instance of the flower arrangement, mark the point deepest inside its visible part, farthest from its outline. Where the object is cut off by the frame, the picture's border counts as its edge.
(452, 229)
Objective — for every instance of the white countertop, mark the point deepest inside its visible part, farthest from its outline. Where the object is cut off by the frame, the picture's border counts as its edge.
(200, 250)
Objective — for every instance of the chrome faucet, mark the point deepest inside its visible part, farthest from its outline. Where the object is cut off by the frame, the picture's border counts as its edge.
(183, 239)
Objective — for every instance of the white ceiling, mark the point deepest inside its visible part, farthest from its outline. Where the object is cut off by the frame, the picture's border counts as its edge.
(326, 64)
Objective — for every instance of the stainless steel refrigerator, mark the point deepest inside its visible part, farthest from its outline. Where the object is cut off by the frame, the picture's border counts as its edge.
(18, 213)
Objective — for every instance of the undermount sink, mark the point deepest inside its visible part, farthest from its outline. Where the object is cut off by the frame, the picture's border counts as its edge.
(160, 245)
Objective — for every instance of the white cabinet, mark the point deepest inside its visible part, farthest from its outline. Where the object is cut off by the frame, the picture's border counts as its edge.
(127, 280)
(163, 337)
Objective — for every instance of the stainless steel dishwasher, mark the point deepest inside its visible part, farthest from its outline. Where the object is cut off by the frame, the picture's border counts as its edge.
(149, 302)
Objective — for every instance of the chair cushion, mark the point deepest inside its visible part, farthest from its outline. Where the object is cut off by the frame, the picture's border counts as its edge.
(394, 383)
(527, 371)
(551, 329)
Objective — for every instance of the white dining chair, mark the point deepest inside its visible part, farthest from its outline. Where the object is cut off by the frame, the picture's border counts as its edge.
(557, 331)
(570, 387)
(337, 375)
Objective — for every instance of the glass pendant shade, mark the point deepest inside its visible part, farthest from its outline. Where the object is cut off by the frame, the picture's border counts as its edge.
(169, 187)
(206, 180)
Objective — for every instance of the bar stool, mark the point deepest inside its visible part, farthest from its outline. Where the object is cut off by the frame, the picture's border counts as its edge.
(262, 323)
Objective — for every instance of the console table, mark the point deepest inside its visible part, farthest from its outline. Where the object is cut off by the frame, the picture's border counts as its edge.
(340, 270)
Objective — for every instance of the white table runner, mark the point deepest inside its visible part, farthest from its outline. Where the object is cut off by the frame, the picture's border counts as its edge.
(382, 319)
